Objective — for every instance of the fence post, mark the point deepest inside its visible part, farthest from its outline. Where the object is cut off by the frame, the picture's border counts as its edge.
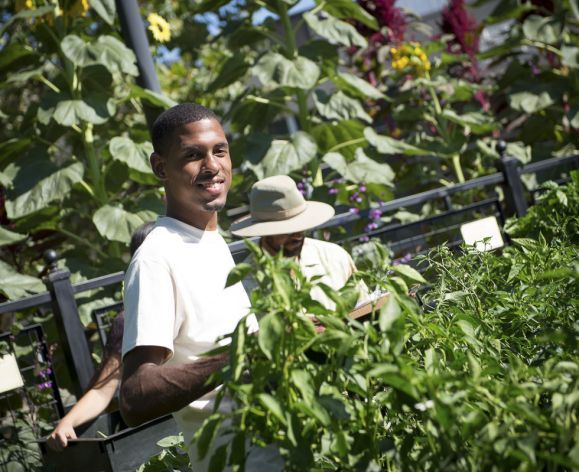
(72, 336)
(516, 204)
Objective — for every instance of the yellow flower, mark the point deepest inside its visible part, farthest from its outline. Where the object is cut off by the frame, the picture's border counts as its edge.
(159, 27)
(24, 5)
(79, 8)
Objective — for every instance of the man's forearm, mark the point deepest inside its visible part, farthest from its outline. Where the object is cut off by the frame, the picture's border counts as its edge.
(155, 390)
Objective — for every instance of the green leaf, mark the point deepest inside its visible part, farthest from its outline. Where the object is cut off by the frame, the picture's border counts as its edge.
(79, 52)
(74, 112)
(338, 106)
(170, 441)
(15, 285)
(477, 122)
(361, 169)
(233, 69)
(543, 29)
(303, 381)
(154, 98)
(274, 70)
(346, 136)
(106, 9)
(361, 88)
(115, 223)
(348, 10)
(115, 56)
(570, 55)
(134, 155)
(238, 273)
(336, 31)
(387, 145)
(55, 187)
(389, 313)
(9, 237)
(273, 406)
(408, 272)
(207, 433)
(284, 156)
(529, 102)
(270, 332)
(218, 459)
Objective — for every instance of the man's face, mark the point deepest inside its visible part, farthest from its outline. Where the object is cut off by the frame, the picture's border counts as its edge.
(290, 244)
(196, 172)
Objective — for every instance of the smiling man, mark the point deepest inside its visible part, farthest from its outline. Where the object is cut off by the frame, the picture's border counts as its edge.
(176, 303)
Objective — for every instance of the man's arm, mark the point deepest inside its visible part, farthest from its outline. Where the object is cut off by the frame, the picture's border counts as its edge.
(151, 389)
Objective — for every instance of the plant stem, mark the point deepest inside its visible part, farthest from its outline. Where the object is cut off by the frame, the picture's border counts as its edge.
(291, 50)
(457, 167)
(93, 163)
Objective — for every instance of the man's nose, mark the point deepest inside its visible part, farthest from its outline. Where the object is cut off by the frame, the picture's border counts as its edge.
(210, 163)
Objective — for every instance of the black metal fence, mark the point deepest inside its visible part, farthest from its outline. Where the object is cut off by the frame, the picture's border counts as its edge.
(478, 197)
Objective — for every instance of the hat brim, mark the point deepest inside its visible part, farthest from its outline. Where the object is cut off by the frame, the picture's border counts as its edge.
(314, 215)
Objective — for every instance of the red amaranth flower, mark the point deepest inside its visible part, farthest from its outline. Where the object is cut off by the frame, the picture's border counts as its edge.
(387, 16)
(457, 21)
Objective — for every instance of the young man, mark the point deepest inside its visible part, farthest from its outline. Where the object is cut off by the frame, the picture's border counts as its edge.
(280, 215)
(176, 303)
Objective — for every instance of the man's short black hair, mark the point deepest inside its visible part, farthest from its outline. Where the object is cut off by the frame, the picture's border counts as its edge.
(175, 117)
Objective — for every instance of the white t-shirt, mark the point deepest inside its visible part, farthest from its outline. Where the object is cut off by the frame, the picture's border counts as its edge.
(175, 297)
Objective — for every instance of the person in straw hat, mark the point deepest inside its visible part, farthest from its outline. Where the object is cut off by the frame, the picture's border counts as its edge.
(280, 216)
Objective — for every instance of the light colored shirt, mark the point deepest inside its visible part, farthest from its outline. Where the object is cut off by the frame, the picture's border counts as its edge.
(175, 297)
(330, 262)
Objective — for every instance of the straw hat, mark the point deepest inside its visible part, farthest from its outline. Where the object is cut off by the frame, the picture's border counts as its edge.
(277, 207)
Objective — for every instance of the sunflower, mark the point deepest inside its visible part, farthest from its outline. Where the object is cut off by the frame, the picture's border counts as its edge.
(159, 27)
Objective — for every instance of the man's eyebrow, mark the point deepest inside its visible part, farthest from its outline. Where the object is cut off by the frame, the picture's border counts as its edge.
(221, 144)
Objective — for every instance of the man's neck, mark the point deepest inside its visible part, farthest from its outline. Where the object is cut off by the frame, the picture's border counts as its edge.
(206, 221)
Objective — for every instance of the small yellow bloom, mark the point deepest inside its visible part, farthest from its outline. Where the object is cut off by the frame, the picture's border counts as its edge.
(24, 5)
(79, 8)
(159, 27)
(393, 51)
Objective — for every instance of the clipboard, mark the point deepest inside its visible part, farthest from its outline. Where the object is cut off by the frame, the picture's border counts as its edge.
(368, 307)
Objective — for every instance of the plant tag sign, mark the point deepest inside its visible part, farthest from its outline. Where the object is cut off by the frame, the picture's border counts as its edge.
(10, 377)
(483, 234)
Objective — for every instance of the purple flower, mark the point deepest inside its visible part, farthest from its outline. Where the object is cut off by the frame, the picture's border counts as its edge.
(364, 239)
(333, 191)
(375, 214)
(44, 385)
(457, 21)
(44, 373)
(362, 188)
(359, 199)
(355, 210)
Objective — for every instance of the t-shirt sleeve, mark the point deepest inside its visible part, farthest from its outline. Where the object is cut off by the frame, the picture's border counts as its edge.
(149, 301)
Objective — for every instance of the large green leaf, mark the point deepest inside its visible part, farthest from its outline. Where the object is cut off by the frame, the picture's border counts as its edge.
(345, 136)
(106, 9)
(135, 155)
(361, 169)
(15, 285)
(117, 224)
(108, 51)
(285, 156)
(544, 29)
(339, 106)
(232, 70)
(52, 188)
(271, 404)
(13, 55)
(570, 56)
(274, 70)
(74, 112)
(349, 10)
(336, 31)
(477, 122)
(357, 86)
(115, 56)
(154, 98)
(9, 237)
(387, 145)
(530, 102)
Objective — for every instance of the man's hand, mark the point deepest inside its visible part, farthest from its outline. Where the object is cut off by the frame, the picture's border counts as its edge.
(58, 439)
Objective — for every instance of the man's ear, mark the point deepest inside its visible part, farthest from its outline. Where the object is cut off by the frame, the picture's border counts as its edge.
(158, 165)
